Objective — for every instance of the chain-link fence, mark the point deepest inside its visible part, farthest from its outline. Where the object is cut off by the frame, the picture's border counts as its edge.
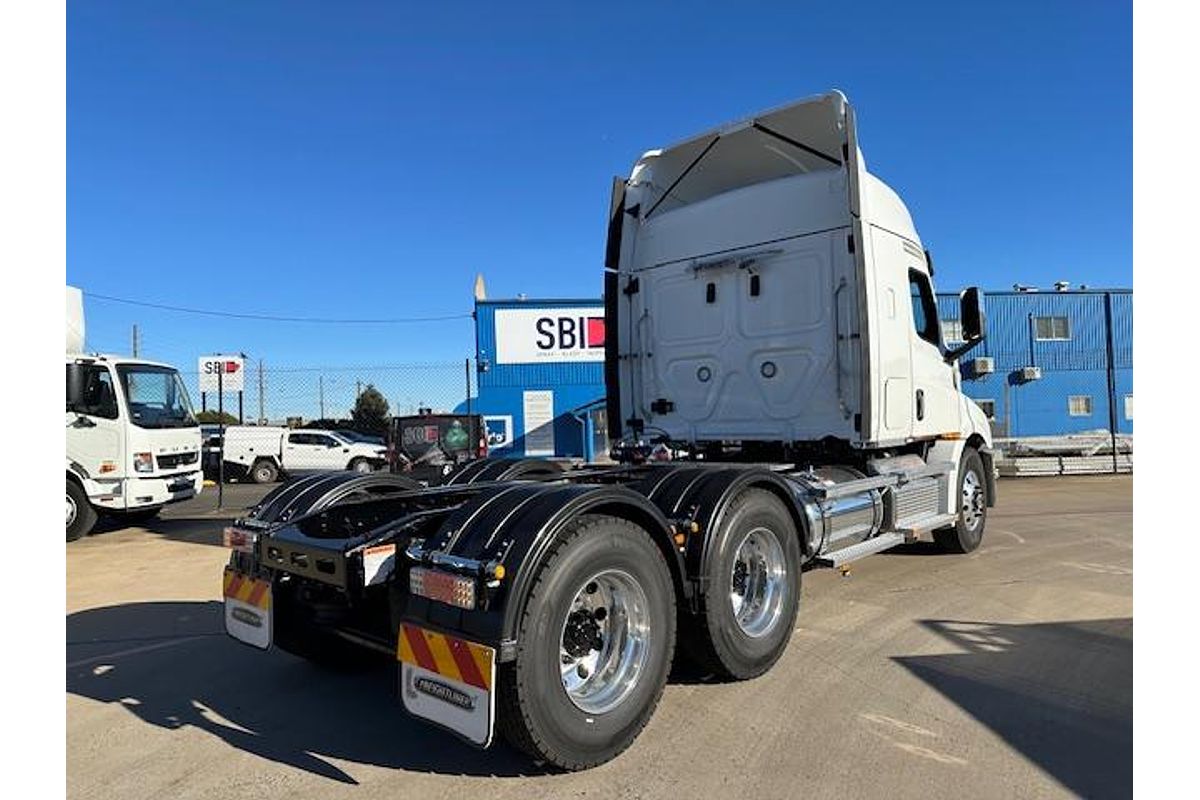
(298, 395)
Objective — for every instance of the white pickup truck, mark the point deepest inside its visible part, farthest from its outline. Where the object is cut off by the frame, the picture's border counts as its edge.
(263, 453)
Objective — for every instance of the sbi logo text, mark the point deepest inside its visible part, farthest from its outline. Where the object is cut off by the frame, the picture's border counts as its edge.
(569, 333)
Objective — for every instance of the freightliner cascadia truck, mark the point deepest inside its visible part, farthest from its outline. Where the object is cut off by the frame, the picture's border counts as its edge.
(783, 401)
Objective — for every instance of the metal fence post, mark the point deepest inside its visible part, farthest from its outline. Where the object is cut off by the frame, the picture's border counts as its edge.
(221, 428)
(1112, 383)
(467, 374)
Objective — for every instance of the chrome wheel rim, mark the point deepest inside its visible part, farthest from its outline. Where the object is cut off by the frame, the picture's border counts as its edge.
(72, 510)
(972, 500)
(362, 466)
(758, 582)
(605, 641)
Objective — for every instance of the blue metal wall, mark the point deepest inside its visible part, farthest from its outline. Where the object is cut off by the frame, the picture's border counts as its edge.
(1077, 366)
(501, 387)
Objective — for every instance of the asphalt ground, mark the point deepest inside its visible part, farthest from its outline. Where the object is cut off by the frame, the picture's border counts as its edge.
(1004, 673)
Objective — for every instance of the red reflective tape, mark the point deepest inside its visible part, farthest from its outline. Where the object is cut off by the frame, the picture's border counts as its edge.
(466, 663)
(234, 586)
(256, 594)
(420, 647)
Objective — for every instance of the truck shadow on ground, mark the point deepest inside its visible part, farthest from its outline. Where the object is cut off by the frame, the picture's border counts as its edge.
(171, 665)
(1060, 693)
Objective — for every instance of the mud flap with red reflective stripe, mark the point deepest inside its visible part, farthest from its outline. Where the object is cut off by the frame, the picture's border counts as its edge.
(448, 681)
(247, 609)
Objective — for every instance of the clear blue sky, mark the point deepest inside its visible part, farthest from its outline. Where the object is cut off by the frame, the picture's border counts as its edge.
(365, 160)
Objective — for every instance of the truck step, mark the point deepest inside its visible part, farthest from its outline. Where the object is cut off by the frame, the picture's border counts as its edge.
(854, 552)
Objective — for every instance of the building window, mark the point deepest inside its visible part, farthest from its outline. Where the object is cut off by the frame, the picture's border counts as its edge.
(1052, 329)
(1129, 407)
(988, 407)
(1079, 405)
(952, 330)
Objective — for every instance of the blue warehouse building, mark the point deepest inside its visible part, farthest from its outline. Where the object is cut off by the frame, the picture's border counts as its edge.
(1044, 370)
(540, 373)
(1046, 365)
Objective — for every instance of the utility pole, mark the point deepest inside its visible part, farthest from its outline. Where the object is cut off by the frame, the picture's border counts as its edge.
(135, 341)
(321, 393)
(357, 390)
(261, 394)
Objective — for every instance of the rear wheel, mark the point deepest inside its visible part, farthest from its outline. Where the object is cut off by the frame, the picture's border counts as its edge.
(264, 471)
(81, 517)
(967, 531)
(361, 466)
(754, 590)
(594, 646)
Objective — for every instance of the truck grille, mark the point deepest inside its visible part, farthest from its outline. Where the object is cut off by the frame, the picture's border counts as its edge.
(177, 460)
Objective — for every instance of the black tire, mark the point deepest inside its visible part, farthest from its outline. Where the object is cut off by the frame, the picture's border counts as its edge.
(81, 517)
(536, 714)
(714, 640)
(264, 471)
(360, 465)
(971, 490)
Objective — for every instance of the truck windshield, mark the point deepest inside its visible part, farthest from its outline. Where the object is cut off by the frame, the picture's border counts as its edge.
(156, 397)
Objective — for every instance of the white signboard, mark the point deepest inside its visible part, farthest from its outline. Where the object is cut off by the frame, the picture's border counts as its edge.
(231, 366)
(539, 423)
(544, 335)
(499, 430)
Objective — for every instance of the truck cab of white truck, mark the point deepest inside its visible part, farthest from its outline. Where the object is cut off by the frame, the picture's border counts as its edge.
(133, 444)
(764, 287)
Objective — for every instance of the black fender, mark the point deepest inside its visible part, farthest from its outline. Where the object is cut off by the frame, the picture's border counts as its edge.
(503, 469)
(315, 493)
(702, 494)
(514, 524)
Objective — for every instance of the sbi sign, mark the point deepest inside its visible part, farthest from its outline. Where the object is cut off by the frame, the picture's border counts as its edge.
(541, 335)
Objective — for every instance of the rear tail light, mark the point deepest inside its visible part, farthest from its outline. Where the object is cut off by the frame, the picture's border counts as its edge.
(453, 590)
(238, 539)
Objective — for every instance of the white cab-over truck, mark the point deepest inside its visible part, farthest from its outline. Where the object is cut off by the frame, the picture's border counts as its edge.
(773, 328)
(264, 453)
(133, 445)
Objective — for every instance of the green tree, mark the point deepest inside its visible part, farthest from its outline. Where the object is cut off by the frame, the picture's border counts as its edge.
(212, 418)
(370, 413)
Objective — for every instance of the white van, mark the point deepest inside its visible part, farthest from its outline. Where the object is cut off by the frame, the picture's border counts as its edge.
(265, 452)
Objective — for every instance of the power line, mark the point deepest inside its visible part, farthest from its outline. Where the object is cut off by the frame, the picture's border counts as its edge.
(275, 318)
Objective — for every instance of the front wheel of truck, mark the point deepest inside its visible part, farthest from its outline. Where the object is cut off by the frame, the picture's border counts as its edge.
(594, 646)
(81, 517)
(967, 531)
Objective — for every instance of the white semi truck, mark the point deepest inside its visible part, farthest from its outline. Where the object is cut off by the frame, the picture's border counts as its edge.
(773, 328)
(133, 444)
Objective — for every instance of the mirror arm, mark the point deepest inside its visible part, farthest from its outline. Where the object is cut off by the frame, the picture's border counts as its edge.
(964, 348)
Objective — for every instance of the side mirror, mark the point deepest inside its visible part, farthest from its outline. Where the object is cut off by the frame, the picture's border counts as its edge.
(75, 399)
(974, 322)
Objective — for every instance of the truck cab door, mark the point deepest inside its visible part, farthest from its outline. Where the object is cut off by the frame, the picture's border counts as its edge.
(936, 407)
(95, 430)
(302, 453)
(331, 452)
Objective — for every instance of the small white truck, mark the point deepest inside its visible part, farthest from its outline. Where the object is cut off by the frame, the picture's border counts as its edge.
(264, 453)
(133, 444)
